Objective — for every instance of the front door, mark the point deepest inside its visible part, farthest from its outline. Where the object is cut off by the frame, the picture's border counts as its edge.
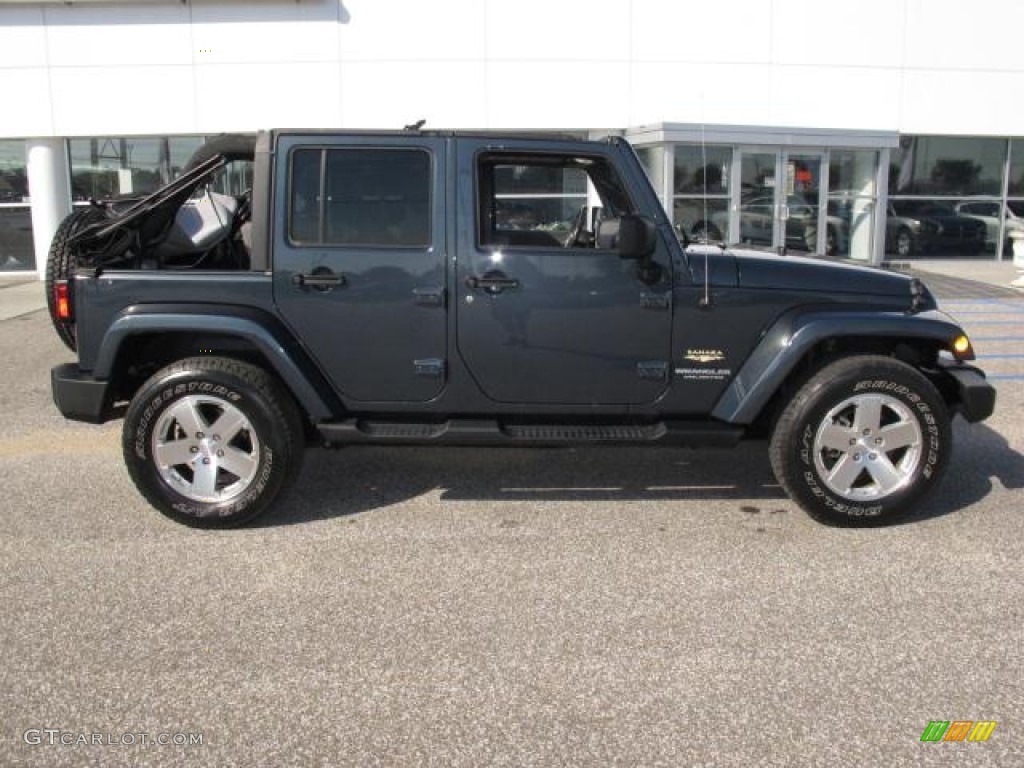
(547, 310)
(779, 198)
(359, 261)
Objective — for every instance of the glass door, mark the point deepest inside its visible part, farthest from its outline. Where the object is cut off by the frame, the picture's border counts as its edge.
(801, 204)
(779, 201)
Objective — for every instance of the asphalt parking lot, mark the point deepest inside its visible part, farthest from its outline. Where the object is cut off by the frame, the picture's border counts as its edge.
(591, 607)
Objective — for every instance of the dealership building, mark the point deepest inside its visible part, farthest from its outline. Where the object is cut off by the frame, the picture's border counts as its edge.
(877, 131)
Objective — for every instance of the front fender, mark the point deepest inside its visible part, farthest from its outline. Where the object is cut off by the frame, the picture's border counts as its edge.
(256, 327)
(797, 332)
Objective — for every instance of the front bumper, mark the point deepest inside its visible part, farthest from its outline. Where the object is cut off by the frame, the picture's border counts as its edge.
(80, 397)
(976, 398)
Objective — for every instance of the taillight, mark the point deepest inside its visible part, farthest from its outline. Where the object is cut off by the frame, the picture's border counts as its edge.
(62, 300)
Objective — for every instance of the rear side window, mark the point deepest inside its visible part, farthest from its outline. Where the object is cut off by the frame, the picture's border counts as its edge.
(360, 197)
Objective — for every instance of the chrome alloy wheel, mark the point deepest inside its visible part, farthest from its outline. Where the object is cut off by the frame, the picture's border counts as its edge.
(205, 449)
(868, 447)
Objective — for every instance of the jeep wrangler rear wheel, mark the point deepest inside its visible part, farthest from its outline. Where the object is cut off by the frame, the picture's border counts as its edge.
(865, 438)
(211, 442)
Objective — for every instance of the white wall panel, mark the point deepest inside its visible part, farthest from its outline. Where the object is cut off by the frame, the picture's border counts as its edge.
(558, 30)
(559, 95)
(87, 35)
(866, 33)
(248, 97)
(89, 101)
(932, 66)
(981, 34)
(392, 94)
(731, 31)
(26, 93)
(732, 94)
(987, 110)
(400, 30)
(278, 32)
(834, 97)
(22, 37)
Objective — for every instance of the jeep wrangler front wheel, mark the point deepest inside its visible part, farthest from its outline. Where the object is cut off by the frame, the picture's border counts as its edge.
(865, 438)
(211, 442)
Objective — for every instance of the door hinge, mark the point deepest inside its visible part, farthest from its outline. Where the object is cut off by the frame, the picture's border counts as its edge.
(429, 297)
(654, 300)
(653, 370)
(431, 367)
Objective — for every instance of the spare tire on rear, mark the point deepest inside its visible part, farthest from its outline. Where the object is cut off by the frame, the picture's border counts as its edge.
(233, 146)
(61, 263)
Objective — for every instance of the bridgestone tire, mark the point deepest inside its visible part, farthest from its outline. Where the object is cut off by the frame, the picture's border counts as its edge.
(188, 471)
(864, 440)
(61, 263)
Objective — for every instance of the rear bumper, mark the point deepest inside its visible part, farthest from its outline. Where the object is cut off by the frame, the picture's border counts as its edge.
(80, 397)
(975, 396)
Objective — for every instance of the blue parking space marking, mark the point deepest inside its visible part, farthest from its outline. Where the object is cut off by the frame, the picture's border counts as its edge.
(994, 311)
(999, 357)
(1003, 302)
(997, 322)
(997, 338)
(1006, 377)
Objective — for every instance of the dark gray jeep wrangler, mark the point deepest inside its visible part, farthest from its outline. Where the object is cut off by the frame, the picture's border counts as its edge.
(453, 288)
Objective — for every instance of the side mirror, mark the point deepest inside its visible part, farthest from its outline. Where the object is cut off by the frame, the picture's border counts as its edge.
(634, 237)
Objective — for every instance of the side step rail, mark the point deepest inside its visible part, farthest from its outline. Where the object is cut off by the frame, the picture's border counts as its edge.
(496, 432)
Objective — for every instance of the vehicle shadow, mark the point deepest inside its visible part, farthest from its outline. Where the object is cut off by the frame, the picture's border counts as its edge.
(360, 479)
(980, 455)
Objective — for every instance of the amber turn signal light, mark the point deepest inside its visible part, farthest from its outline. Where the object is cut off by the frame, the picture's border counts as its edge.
(962, 348)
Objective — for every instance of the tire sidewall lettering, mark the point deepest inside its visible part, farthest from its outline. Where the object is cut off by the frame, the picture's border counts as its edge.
(156, 405)
(803, 450)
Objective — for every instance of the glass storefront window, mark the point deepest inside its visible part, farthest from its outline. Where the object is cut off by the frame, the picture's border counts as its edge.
(851, 172)
(701, 170)
(108, 167)
(702, 219)
(1015, 185)
(700, 183)
(16, 251)
(852, 202)
(13, 176)
(941, 166)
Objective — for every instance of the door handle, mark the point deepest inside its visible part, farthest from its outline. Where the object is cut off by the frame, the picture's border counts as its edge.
(492, 283)
(322, 281)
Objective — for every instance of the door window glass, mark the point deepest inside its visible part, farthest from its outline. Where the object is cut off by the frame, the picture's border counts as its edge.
(546, 201)
(360, 197)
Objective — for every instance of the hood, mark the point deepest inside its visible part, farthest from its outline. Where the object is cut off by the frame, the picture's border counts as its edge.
(756, 269)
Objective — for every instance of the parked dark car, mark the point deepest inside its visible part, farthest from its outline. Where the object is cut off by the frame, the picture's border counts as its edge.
(926, 226)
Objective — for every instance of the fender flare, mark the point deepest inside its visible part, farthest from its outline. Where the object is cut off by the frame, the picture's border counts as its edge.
(289, 361)
(786, 342)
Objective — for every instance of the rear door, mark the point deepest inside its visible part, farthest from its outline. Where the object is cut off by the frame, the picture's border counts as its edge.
(359, 260)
